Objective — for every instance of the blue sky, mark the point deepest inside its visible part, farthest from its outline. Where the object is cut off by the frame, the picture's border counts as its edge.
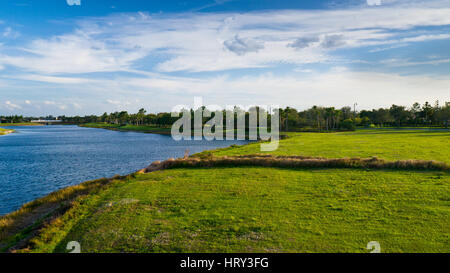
(90, 56)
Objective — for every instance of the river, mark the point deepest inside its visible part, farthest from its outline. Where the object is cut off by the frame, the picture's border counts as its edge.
(37, 160)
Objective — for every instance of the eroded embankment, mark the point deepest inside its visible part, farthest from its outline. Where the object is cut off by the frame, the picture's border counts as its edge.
(296, 162)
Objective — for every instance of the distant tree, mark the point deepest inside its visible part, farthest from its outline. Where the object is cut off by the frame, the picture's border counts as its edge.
(123, 117)
(104, 117)
(382, 116)
(427, 113)
(329, 117)
(415, 113)
(365, 121)
(317, 117)
(348, 124)
(346, 112)
(141, 116)
(443, 115)
(399, 113)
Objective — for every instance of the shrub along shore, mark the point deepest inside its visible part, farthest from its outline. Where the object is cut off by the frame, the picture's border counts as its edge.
(5, 131)
(295, 162)
(21, 124)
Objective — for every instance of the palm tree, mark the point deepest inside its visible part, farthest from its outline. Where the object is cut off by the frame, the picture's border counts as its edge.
(141, 116)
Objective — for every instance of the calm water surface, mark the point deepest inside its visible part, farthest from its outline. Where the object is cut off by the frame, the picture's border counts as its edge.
(38, 160)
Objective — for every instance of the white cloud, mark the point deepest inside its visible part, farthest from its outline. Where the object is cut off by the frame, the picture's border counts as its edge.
(222, 41)
(402, 62)
(333, 41)
(339, 87)
(8, 32)
(302, 70)
(73, 2)
(197, 42)
(49, 106)
(379, 49)
(119, 104)
(115, 102)
(373, 2)
(79, 52)
(304, 42)
(77, 105)
(242, 46)
(12, 106)
(51, 79)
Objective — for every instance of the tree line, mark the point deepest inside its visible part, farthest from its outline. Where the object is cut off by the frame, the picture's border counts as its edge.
(316, 118)
(330, 118)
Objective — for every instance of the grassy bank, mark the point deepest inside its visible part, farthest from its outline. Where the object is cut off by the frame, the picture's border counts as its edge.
(230, 207)
(265, 210)
(20, 124)
(386, 144)
(5, 131)
(129, 128)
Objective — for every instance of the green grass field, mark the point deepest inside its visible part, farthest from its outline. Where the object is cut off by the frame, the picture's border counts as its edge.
(261, 209)
(387, 144)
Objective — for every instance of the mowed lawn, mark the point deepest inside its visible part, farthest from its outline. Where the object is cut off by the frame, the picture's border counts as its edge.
(261, 210)
(387, 144)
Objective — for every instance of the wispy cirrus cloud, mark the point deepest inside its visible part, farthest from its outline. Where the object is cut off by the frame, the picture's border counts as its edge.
(402, 62)
(112, 58)
(78, 52)
(373, 2)
(10, 33)
(222, 41)
(51, 79)
(337, 87)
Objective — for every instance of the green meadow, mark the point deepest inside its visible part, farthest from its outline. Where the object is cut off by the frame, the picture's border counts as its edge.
(261, 210)
(389, 144)
(256, 209)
